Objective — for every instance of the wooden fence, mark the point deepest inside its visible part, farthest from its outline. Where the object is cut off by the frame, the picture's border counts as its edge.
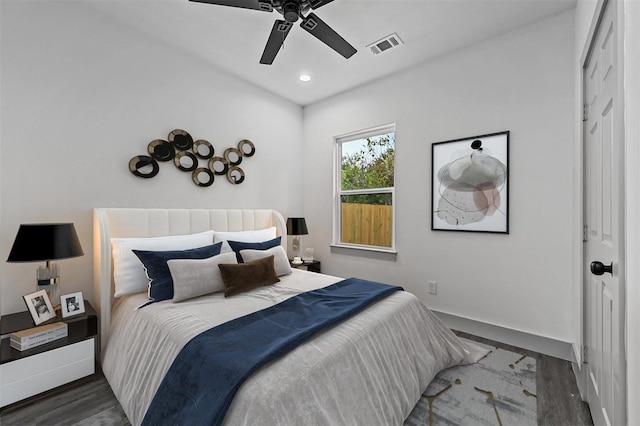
(370, 224)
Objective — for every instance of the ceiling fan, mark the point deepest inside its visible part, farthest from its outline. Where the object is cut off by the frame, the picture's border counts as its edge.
(291, 10)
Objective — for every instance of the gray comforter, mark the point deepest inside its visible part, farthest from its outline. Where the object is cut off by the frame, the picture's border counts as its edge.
(369, 370)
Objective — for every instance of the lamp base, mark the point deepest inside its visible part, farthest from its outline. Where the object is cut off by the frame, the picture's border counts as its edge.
(53, 291)
(49, 280)
(295, 245)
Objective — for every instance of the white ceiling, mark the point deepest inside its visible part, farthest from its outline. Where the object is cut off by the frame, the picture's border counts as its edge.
(233, 39)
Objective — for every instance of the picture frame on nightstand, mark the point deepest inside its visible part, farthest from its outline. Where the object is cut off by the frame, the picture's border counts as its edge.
(72, 304)
(39, 306)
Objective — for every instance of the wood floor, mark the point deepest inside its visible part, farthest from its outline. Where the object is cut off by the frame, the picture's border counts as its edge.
(559, 401)
(91, 401)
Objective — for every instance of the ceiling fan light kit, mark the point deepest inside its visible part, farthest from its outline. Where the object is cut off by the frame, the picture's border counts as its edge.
(291, 10)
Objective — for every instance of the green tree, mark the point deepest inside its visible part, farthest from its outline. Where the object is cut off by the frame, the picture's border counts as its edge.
(372, 166)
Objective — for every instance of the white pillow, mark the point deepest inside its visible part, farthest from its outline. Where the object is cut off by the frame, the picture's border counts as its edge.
(280, 261)
(128, 274)
(197, 277)
(256, 236)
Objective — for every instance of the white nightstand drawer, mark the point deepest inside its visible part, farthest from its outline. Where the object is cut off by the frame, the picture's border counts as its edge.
(32, 375)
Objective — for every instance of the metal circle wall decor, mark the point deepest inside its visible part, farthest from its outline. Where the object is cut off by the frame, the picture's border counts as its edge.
(202, 176)
(186, 161)
(215, 163)
(161, 150)
(235, 175)
(233, 156)
(186, 154)
(203, 149)
(143, 166)
(246, 143)
(180, 139)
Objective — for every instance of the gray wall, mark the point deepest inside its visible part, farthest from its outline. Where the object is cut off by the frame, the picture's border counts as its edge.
(82, 94)
(523, 82)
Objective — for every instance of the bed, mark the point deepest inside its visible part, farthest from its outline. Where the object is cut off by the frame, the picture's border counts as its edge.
(369, 369)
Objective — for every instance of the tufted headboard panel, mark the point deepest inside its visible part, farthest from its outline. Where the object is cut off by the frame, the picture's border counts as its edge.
(135, 222)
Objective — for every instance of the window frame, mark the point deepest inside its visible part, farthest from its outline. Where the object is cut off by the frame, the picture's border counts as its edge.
(338, 192)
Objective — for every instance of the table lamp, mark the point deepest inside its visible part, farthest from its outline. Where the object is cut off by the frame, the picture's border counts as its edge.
(46, 242)
(296, 226)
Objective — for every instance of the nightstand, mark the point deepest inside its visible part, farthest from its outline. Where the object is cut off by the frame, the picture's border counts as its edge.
(24, 374)
(313, 266)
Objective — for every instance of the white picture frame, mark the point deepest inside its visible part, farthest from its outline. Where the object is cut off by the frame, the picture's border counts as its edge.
(72, 304)
(39, 306)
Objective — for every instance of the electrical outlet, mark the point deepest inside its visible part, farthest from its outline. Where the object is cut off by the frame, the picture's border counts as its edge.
(433, 287)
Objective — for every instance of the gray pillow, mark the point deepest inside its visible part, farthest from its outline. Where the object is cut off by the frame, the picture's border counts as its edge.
(280, 260)
(197, 277)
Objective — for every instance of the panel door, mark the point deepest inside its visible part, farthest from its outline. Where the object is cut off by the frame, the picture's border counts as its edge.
(604, 234)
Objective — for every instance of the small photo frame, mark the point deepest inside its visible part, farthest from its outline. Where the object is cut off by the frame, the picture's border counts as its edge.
(39, 306)
(72, 304)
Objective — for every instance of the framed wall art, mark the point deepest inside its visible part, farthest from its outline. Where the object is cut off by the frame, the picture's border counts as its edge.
(470, 184)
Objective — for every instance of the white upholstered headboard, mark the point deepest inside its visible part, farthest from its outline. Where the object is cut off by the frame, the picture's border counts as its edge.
(134, 222)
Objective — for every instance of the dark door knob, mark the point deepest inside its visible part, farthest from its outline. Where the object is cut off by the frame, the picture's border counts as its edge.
(599, 268)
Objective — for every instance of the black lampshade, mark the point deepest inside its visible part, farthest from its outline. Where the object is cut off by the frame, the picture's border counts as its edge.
(296, 226)
(45, 241)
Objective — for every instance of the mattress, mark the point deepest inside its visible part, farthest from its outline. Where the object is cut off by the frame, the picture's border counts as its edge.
(368, 370)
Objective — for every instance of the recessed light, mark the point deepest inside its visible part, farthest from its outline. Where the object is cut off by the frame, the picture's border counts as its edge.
(305, 77)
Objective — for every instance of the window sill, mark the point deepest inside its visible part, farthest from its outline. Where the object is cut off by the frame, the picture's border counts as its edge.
(365, 251)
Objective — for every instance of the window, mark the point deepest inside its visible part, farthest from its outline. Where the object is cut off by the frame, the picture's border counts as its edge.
(364, 213)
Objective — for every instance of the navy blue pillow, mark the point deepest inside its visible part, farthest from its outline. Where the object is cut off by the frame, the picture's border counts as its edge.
(155, 264)
(236, 246)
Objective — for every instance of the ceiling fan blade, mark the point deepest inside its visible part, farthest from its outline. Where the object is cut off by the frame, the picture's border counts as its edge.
(264, 5)
(318, 3)
(327, 35)
(276, 39)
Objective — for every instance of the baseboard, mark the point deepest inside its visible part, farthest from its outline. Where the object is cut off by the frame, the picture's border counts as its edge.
(543, 345)
(579, 372)
(580, 380)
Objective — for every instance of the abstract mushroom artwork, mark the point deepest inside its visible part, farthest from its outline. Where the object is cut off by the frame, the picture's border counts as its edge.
(470, 184)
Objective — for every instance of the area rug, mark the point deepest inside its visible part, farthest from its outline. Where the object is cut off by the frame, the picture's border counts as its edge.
(498, 390)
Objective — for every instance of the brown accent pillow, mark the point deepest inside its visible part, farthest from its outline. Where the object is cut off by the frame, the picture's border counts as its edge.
(247, 276)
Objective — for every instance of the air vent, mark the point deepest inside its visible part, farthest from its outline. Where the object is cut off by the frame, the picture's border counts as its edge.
(389, 42)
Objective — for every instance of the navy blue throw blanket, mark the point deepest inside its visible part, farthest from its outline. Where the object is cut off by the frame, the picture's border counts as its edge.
(207, 373)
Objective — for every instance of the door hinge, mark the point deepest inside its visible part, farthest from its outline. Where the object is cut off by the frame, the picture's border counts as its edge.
(584, 355)
(585, 232)
(585, 112)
